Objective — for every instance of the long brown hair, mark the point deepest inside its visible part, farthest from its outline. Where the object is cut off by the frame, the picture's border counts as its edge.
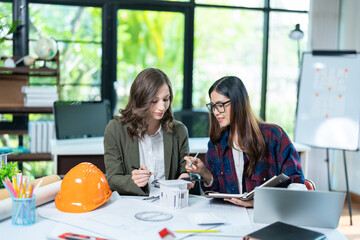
(242, 119)
(142, 92)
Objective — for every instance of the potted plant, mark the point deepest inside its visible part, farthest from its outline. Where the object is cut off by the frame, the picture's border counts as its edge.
(7, 170)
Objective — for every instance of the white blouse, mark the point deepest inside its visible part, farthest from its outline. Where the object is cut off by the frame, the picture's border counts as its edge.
(238, 156)
(151, 151)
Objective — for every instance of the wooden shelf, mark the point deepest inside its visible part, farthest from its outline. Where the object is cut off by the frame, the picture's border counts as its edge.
(25, 110)
(13, 132)
(29, 70)
(42, 71)
(27, 157)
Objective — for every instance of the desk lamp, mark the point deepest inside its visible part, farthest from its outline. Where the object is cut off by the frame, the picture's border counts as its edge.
(297, 35)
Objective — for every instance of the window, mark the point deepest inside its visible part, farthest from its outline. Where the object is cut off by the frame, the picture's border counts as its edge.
(283, 68)
(77, 31)
(174, 0)
(228, 40)
(6, 50)
(302, 5)
(232, 46)
(5, 20)
(149, 39)
(239, 3)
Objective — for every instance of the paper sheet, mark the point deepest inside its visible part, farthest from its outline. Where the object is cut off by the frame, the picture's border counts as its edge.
(205, 218)
(43, 195)
(116, 219)
(61, 228)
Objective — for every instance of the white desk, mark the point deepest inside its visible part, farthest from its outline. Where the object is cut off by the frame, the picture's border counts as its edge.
(238, 222)
(93, 148)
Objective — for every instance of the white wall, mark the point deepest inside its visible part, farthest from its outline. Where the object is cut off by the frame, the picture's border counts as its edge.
(335, 25)
(349, 39)
(350, 25)
(324, 24)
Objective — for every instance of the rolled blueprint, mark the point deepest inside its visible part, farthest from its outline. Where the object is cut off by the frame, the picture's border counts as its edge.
(47, 193)
(43, 195)
(46, 180)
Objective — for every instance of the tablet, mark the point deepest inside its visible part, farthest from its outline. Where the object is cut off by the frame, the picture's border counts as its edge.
(272, 182)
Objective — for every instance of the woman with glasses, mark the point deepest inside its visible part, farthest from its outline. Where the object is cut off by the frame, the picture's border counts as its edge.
(145, 143)
(243, 151)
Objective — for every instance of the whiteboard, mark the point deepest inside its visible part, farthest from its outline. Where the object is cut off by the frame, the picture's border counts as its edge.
(328, 107)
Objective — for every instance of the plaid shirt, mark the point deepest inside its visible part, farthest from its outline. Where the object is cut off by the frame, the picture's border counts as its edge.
(280, 157)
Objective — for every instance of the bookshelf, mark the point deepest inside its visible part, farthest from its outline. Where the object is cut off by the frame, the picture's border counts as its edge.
(16, 129)
(38, 69)
(12, 101)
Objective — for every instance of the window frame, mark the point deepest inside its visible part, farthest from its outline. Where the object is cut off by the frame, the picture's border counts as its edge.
(109, 27)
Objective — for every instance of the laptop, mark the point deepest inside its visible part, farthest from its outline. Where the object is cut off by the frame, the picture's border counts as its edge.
(81, 119)
(301, 208)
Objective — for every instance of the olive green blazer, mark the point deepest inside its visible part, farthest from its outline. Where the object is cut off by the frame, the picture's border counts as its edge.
(121, 153)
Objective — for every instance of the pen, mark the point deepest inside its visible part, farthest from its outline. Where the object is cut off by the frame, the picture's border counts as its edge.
(196, 231)
(135, 168)
(193, 161)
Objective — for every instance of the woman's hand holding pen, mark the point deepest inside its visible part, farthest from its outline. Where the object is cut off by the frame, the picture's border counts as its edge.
(141, 176)
(195, 165)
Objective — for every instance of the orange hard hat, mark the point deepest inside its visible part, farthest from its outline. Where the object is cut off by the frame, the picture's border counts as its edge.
(83, 189)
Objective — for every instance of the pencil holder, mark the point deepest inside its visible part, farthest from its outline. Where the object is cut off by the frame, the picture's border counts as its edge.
(23, 211)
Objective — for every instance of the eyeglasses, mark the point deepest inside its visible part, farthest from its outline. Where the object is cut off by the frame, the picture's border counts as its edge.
(220, 107)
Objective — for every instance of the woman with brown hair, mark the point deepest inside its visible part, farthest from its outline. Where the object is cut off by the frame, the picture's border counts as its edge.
(243, 151)
(145, 143)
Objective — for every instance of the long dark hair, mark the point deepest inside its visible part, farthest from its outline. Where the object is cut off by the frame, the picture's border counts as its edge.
(142, 92)
(242, 119)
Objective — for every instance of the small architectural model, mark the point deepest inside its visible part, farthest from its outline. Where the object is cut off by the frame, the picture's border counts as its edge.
(174, 194)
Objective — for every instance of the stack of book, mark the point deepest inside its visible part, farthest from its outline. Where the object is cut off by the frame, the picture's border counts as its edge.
(40, 134)
(43, 96)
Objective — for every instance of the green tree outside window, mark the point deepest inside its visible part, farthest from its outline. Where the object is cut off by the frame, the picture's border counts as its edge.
(150, 39)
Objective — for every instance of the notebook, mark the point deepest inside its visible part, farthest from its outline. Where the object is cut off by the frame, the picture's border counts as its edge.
(301, 208)
(273, 182)
(283, 231)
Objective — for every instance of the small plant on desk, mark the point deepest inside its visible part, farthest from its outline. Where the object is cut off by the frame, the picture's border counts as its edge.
(7, 170)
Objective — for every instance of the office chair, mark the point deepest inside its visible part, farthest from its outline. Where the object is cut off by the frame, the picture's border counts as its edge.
(310, 185)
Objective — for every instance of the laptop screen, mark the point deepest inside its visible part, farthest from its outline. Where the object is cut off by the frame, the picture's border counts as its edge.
(301, 208)
(81, 119)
